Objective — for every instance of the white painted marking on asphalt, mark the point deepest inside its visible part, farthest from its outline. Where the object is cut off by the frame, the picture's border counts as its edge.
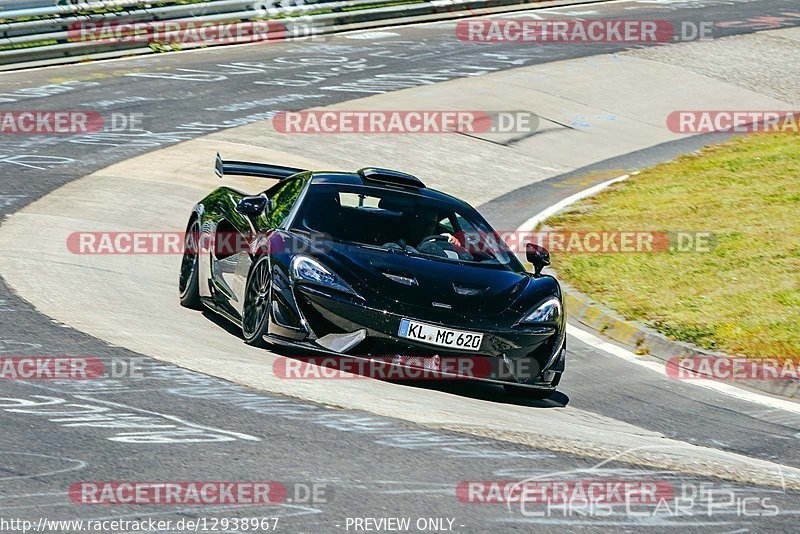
(26, 495)
(180, 420)
(371, 35)
(33, 161)
(147, 429)
(7, 200)
(37, 506)
(77, 465)
(660, 367)
(9, 345)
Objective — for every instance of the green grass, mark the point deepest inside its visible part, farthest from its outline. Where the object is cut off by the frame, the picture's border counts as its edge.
(743, 297)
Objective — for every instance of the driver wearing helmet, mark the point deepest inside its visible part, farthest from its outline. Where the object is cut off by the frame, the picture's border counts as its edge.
(424, 225)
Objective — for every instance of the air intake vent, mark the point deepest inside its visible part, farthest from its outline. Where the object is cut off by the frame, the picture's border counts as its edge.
(387, 176)
(469, 291)
(402, 279)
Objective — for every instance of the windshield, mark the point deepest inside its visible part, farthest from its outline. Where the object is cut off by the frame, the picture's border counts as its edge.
(403, 222)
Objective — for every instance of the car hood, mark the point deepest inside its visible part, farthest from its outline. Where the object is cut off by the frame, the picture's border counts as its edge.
(383, 276)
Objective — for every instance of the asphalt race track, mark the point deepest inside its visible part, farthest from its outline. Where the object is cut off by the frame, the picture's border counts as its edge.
(359, 445)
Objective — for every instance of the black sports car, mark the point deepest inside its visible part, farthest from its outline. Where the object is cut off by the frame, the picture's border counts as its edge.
(373, 264)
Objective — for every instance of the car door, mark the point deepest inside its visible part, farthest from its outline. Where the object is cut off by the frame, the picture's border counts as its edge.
(282, 198)
(232, 231)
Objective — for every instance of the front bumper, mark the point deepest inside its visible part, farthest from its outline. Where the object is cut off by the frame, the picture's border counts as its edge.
(527, 355)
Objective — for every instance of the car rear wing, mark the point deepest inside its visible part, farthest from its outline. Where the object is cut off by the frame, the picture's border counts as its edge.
(260, 170)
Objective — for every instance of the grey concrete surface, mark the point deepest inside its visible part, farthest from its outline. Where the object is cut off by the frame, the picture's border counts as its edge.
(186, 103)
(757, 62)
(137, 290)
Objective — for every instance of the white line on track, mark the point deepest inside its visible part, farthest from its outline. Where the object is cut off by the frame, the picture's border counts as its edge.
(531, 224)
(615, 350)
(660, 368)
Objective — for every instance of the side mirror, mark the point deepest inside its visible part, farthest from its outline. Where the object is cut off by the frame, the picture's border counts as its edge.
(252, 206)
(538, 256)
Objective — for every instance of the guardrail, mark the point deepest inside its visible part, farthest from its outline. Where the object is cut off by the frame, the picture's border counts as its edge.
(56, 34)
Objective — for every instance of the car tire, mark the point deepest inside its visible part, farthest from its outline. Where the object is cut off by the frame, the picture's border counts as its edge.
(522, 392)
(257, 298)
(188, 283)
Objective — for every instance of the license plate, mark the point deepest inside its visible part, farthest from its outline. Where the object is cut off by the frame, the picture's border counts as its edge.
(436, 335)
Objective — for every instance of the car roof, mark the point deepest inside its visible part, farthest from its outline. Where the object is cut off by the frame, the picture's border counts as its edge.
(355, 179)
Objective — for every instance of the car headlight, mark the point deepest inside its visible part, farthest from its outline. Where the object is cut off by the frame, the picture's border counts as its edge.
(547, 312)
(306, 269)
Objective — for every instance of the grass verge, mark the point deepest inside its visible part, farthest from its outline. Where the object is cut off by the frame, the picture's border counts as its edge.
(742, 297)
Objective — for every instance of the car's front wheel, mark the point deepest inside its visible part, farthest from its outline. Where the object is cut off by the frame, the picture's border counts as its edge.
(188, 284)
(255, 314)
